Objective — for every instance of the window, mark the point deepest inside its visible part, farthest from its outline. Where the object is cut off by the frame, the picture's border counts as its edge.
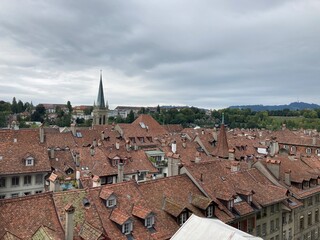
(141, 176)
(26, 193)
(277, 223)
(264, 212)
(284, 218)
(258, 230)
(14, 195)
(37, 192)
(149, 221)
(272, 226)
(2, 182)
(3, 196)
(183, 218)
(316, 215)
(264, 229)
(109, 180)
(317, 198)
(111, 201)
(308, 151)
(277, 237)
(15, 181)
(272, 209)
(210, 211)
(309, 201)
(127, 228)
(301, 223)
(39, 179)
(309, 218)
(29, 161)
(27, 180)
(284, 234)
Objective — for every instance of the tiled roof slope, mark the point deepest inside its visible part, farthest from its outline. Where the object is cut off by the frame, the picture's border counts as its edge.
(128, 196)
(218, 181)
(84, 214)
(178, 189)
(24, 215)
(16, 146)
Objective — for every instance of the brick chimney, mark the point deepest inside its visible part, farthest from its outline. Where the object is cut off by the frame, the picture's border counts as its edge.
(69, 209)
(117, 145)
(197, 157)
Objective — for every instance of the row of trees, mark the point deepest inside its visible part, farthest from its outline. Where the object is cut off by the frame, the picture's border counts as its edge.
(37, 113)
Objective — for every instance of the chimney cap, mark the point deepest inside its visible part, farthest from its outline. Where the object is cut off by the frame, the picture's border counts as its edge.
(69, 208)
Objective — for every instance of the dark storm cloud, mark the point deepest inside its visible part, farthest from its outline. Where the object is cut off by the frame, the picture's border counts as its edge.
(201, 53)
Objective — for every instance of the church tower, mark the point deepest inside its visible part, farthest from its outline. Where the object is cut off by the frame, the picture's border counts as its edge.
(100, 109)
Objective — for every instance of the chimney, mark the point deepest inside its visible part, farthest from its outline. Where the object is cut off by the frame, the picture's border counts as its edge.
(231, 154)
(92, 150)
(174, 147)
(94, 143)
(314, 141)
(52, 153)
(78, 175)
(202, 132)
(235, 167)
(287, 177)
(73, 128)
(54, 184)
(117, 145)
(69, 209)
(215, 134)
(198, 157)
(120, 172)
(273, 148)
(77, 157)
(128, 145)
(96, 181)
(41, 133)
(274, 167)
(184, 144)
(102, 135)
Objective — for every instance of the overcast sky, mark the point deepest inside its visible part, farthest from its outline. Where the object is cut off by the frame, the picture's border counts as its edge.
(202, 53)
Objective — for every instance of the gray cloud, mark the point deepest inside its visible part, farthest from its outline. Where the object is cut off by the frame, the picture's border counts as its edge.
(206, 53)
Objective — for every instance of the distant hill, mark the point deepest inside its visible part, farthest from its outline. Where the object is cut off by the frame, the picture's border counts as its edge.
(291, 106)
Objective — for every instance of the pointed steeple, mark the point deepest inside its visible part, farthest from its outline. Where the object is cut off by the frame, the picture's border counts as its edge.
(222, 148)
(100, 100)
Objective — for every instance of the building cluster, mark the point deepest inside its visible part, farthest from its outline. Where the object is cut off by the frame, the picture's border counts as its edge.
(144, 180)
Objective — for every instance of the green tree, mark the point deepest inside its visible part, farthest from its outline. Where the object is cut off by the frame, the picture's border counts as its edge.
(69, 106)
(130, 117)
(14, 105)
(20, 107)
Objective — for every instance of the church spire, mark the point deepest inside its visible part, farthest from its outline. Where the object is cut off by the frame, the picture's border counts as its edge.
(100, 100)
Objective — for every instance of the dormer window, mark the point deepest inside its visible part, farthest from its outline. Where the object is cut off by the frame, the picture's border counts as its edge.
(183, 218)
(149, 221)
(237, 199)
(29, 161)
(230, 204)
(210, 211)
(308, 151)
(127, 227)
(111, 201)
